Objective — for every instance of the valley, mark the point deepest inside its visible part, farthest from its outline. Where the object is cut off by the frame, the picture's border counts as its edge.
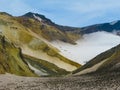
(37, 54)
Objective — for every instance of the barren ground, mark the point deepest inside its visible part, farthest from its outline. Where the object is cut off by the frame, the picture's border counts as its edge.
(87, 82)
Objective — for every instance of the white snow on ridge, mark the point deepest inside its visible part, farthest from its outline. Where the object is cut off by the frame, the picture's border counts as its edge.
(114, 22)
(1, 31)
(38, 18)
(88, 47)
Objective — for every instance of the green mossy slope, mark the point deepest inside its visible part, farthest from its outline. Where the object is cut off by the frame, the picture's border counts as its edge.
(11, 60)
(30, 41)
(112, 60)
(45, 67)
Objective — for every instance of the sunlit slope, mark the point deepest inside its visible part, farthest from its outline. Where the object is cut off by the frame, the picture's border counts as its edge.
(11, 60)
(32, 44)
(48, 31)
(44, 68)
(108, 61)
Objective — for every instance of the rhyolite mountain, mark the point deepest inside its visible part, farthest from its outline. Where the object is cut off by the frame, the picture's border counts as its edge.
(49, 29)
(36, 56)
(11, 59)
(32, 45)
(76, 36)
(28, 50)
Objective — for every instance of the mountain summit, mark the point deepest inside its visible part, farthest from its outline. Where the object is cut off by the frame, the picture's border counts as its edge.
(39, 17)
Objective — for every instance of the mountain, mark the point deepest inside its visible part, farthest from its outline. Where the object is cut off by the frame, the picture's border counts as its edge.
(48, 49)
(48, 29)
(105, 63)
(69, 37)
(45, 20)
(32, 46)
(113, 27)
(39, 17)
(11, 59)
(34, 40)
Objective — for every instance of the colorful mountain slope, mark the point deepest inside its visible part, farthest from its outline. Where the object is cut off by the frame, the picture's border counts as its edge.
(34, 45)
(46, 28)
(108, 61)
(11, 60)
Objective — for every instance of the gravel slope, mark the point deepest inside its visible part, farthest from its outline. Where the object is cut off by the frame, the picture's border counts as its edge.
(109, 81)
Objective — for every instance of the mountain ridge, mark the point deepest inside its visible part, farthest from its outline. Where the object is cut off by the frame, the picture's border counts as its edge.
(49, 22)
(109, 27)
(46, 28)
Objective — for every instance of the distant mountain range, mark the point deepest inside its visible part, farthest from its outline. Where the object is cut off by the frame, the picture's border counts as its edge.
(113, 27)
(108, 27)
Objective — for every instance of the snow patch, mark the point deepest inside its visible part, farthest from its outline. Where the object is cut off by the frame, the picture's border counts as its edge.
(38, 18)
(88, 47)
(1, 31)
(38, 72)
(114, 22)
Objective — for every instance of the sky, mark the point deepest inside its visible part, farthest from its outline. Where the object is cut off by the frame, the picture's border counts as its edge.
(76, 13)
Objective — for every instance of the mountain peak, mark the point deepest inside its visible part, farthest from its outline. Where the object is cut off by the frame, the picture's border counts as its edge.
(4, 13)
(31, 14)
(39, 17)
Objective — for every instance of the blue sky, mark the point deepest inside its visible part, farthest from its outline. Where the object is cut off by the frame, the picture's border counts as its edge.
(76, 13)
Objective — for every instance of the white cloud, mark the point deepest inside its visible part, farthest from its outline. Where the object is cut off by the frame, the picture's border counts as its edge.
(67, 12)
(89, 46)
(15, 7)
(94, 6)
(84, 12)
